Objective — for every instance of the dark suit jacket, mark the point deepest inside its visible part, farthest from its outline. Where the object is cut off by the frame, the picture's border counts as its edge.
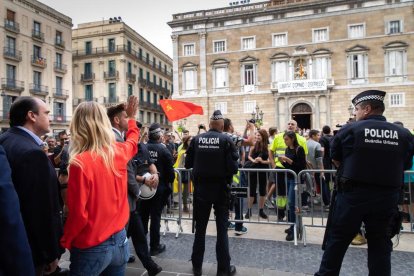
(15, 253)
(36, 184)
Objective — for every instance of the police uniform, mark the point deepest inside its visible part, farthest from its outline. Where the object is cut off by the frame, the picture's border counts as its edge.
(373, 155)
(213, 157)
(153, 207)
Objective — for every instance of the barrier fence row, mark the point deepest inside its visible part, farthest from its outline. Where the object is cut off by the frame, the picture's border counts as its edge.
(310, 190)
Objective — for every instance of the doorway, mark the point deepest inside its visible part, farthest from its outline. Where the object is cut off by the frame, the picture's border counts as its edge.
(302, 114)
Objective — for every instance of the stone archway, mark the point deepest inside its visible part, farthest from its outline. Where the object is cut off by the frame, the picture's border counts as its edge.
(302, 114)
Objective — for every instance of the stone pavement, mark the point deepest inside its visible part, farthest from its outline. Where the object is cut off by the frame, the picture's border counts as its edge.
(265, 257)
(263, 251)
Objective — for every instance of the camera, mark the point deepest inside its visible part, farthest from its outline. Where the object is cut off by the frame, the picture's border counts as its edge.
(253, 121)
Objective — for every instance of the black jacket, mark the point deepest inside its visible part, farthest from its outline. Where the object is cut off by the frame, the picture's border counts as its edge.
(37, 186)
(163, 160)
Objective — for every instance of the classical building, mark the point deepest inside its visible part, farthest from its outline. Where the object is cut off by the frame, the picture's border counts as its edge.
(36, 59)
(112, 61)
(301, 59)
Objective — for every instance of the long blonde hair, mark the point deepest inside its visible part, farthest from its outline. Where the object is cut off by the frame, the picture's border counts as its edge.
(91, 131)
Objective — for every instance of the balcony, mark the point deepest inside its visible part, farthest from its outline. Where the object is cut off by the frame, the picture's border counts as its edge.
(38, 36)
(38, 61)
(87, 77)
(146, 83)
(77, 101)
(12, 54)
(60, 93)
(150, 106)
(37, 89)
(12, 26)
(121, 49)
(131, 77)
(12, 85)
(111, 75)
(108, 101)
(4, 115)
(60, 119)
(60, 67)
(307, 85)
(59, 43)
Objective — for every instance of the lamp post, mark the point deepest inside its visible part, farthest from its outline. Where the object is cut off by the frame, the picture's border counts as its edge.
(257, 115)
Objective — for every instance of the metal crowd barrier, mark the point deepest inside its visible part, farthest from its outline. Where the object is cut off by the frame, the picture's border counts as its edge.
(314, 213)
(179, 215)
(317, 215)
(408, 203)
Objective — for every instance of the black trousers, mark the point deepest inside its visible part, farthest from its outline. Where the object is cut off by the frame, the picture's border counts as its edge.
(153, 207)
(373, 206)
(137, 233)
(202, 209)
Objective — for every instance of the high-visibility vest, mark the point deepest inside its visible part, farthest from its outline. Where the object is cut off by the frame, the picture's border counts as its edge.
(279, 147)
(236, 179)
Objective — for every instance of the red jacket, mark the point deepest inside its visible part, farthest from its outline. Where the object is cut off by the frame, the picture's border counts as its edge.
(96, 197)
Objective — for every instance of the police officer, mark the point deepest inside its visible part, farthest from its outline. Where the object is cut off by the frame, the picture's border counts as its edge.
(371, 155)
(213, 157)
(163, 161)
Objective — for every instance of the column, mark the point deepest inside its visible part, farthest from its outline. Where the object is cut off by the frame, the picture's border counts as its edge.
(175, 64)
(203, 68)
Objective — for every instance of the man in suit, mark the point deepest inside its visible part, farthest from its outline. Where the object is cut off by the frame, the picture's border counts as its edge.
(14, 246)
(35, 181)
(119, 121)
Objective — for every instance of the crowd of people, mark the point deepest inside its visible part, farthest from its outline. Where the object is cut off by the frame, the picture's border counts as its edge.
(84, 191)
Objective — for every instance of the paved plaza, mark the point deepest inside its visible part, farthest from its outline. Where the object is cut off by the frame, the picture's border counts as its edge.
(263, 251)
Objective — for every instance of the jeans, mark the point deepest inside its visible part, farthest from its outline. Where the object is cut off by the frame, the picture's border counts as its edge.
(374, 207)
(291, 200)
(108, 258)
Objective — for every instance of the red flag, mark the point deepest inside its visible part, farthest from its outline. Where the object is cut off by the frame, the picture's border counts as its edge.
(176, 110)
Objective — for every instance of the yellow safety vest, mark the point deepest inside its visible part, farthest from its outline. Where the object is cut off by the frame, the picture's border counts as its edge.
(279, 147)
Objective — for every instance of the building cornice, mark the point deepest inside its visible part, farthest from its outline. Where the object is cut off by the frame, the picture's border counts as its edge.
(318, 8)
(123, 29)
(46, 10)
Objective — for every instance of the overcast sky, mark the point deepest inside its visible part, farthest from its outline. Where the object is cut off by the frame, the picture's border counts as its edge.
(148, 18)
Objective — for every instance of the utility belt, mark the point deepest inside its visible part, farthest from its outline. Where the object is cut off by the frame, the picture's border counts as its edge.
(349, 185)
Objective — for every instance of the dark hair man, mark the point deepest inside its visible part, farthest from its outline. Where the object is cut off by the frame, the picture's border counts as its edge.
(163, 161)
(213, 157)
(119, 121)
(372, 155)
(35, 180)
(140, 164)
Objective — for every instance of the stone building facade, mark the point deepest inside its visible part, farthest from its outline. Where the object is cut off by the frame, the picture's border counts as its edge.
(36, 59)
(295, 59)
(112, 61)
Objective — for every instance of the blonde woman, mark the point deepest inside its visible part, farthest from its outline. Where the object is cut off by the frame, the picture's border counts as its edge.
(97, 191)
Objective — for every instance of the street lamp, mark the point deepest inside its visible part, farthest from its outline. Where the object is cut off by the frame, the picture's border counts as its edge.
(257, 115)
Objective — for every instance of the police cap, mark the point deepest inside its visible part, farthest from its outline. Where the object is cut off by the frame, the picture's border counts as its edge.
(216, 116)
(369, 95)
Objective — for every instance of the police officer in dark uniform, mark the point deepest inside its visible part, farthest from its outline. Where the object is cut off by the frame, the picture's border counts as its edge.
(163, 160)
(371, 155)
(213, 157)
